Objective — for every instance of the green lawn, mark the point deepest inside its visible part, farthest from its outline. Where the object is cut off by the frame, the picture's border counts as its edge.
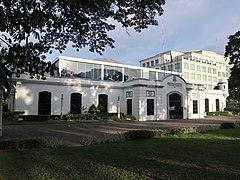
(214, 155)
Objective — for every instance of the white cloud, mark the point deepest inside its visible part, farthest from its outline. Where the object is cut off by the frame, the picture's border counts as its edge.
(188, 25)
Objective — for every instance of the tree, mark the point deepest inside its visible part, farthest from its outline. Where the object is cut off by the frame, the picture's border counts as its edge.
(233, 52)
(30, 28)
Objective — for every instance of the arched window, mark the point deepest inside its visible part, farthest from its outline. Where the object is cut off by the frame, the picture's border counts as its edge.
(175, 106)
(206, 105)
(103, 103)
(44, 103)
(76, 103)
(217, 105)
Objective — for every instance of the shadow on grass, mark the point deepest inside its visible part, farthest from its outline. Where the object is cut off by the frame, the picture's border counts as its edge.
(213, 155)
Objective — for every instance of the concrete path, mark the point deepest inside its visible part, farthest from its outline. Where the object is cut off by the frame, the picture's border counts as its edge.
(72, 134)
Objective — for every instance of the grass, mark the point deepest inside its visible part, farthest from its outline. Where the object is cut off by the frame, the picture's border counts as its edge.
(213, 155)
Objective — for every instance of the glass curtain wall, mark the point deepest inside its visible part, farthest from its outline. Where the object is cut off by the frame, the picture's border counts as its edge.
(82, 70)
(112, 73)
(130, 74)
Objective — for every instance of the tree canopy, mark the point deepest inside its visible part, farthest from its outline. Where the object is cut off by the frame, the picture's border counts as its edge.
(232, 49)
(233, 52)
(30, 28)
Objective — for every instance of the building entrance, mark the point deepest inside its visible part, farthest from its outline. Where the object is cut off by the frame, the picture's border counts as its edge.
(175, 108)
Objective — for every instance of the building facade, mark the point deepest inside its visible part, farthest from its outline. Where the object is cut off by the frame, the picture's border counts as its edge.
(197, 67)
(146, 93)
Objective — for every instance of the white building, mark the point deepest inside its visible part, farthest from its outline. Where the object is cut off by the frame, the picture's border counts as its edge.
(198, 67)
(146, 93)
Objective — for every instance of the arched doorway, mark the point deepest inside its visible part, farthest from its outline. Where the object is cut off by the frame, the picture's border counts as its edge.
(103, 103)
(76, 103)
(175, 108)
(44, 103)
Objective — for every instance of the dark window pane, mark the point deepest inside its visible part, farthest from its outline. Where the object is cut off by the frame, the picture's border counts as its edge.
(103, 103)
(150, 106)
(129, 106)
(195, 106)
(217, 105)
(206, 105)
(76, 103)
(44, 103)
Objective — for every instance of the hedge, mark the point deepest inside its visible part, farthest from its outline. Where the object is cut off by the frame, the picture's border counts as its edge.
(144, 134)
(220, 113)
(232, 124)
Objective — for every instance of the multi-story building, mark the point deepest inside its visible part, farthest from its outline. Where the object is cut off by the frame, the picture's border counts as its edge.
(156, 93)
(197, 67)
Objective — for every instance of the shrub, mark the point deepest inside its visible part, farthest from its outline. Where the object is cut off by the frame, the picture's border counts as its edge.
(144, 134)
(234, 110)
(192, 130)
(159, 132)
(220, 113)
(129, 118)
(232, 124)
(92, 109)
(99, 109)
(107, 138)
(201, 129)
(8, 115)
(183, 130)
(5, 108)
(138, 134)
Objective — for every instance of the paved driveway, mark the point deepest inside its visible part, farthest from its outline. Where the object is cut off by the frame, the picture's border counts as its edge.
(72, 134)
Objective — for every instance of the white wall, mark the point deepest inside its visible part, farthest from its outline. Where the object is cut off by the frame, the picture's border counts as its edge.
(27, 95)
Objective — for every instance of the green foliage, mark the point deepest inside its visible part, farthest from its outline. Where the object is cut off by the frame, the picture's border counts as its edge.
(159, 132)
(183, 130)
(8, 115)
(203, 129)
(232, 105)
(143, 134)
(129, 118)
(107, 138)
(56, 23)
(5, 108)
(233, 48)
(138, 134)
(99, 109)
(232, 124)
(234, 85)
(232, 51)
(92, 109)
(234, 110)
(31, 28)
(129, 135)
(192, 130)
(95, 110)
(12, 115)
(220, 113)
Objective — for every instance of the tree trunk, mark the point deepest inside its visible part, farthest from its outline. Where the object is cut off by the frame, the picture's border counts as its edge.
(1, 111)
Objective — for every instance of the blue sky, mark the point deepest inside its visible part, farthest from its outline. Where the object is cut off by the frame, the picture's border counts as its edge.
(187, 25)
